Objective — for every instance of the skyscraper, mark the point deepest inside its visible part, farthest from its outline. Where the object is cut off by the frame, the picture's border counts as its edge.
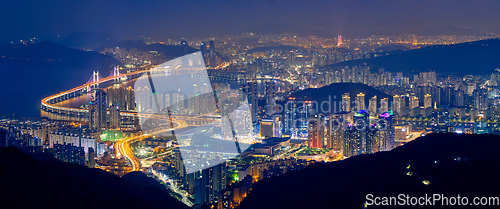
(271, 90)
(92, 114)
(384, 105)
(481, 99)
(290, 119)
(427, 101)
(114, 116)
(303, 113)
(459, 100)
(316, 131)
(212, 46)
(372, 105)
(185, 47)
(98, 110)
(346, 102)
(352, 144)
(130, 98)
(372, 140)
(414, 102)
(213, 55)
(335, 132)
(396, 103)
(360, 101)
(203, 49)
(209, 182)
(266, 128)
(386, 130)
(253, 97)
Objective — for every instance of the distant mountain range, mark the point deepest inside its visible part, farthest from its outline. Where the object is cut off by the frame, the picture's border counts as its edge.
(34, 71)
(97, 42)
(170, 51)
(446, 164)
(283, 48)
(391, 47)
(478, 58)
(286, 28)
(334, 92)
(49, 183)
(47, 53)
(87, 40)
(450, 30)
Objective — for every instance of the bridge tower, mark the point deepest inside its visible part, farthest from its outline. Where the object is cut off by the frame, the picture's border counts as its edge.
(116, 74)
(95, 78)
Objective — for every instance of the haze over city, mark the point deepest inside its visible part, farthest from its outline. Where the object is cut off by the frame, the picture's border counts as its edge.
(178, 19)
(249, 104)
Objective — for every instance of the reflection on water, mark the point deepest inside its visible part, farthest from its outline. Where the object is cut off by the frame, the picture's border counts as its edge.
(63, 117)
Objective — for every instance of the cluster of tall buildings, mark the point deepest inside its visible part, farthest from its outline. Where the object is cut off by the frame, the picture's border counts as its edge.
(266, 112)
(200, 101)
(326, 58)
(460, 99)
(356, 74)
(33, 134)
(205, 184)
(251, 92)
(210, 55)
(98, 110)
(425, 78)
(352, 134)
(77, 139)
(122, 97)
(105, 106)
(64, 142)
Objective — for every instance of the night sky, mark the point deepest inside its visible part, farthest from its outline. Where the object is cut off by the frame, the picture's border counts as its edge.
(196, 18)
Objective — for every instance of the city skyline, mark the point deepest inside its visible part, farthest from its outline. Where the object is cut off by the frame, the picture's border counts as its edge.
(249, 104)
(161, 20)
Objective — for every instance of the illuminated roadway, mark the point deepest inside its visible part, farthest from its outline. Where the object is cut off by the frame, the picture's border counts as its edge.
(122, 147)
(46, 102)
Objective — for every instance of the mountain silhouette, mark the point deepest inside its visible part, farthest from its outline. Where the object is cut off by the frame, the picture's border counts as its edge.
(34, 71)
(390, 48)
(169, 51)
(282, 48)
(450, 30)
(87, 40)
(334, 92)
(450, 164)
(30, 183)
(478, 58)
(286, 28)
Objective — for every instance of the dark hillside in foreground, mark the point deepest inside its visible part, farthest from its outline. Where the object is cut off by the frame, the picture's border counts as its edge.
(29, 183)
(453, 164)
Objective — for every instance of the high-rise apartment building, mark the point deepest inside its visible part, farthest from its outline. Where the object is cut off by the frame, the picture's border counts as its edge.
(346, 102)
(372, 105)
(360, 101)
